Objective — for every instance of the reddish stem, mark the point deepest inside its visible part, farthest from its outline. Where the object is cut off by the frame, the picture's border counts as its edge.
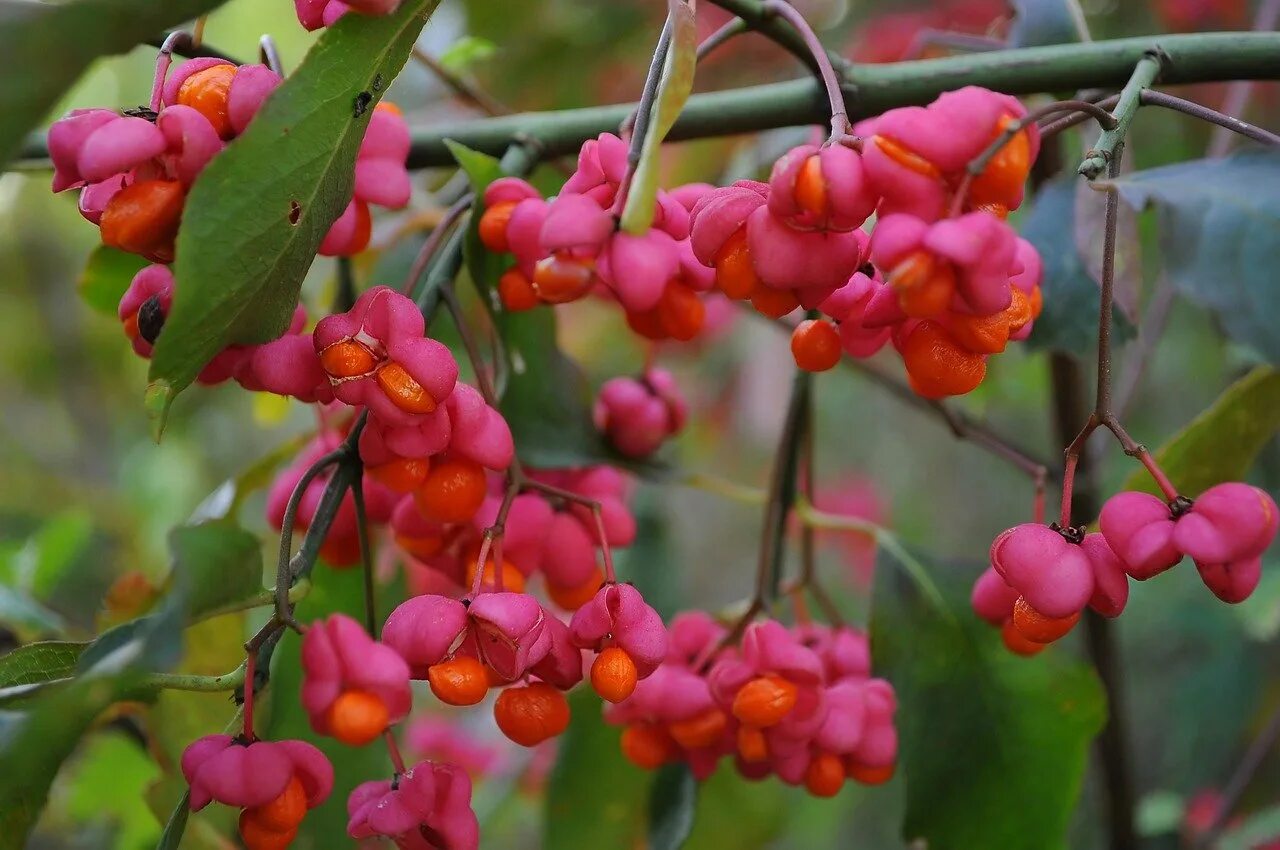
(609, 574)
(393, 750)
(840, 125)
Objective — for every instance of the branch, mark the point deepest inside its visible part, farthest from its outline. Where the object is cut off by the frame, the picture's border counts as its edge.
(1105, 149)
(1213, 116)
(1198, 57)
(756, 17)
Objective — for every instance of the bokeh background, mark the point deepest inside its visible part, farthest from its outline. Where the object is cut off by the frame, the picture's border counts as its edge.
(86, 495)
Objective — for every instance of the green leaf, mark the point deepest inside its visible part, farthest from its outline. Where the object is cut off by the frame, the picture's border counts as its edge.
(673, 798)
(257, 214)
(50, 552)
(733, 812)
(1219, 229)
(546, 399)
(219, 562)
(106, 276)
(674, 88)
(1258, 829)
(53, 43)
(1020, 727)
(171, 838)
(1221, 443)
(595, 797)
(39, 662)
(1038, 23)
(1069, 322)
(107, 782)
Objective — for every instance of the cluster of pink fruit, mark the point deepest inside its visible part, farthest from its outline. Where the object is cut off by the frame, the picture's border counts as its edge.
(941, 275)
(134, 171)
(1042, 577)
(796, 702)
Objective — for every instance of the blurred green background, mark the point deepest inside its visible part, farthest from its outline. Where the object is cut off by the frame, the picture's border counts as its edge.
(86, 496)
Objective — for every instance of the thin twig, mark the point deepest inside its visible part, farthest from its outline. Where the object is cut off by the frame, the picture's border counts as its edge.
(463, 88)
(366, 556)
(1105, 149)
(840, 124)
(432, 244)
(731, 29)
(637, 123)
(1076, 118)
(1150, 97)
(1238, 92)
(270, 54)
(1253, 758)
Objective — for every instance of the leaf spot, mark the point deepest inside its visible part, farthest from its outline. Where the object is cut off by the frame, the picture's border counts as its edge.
(295, 213)
(362, 104)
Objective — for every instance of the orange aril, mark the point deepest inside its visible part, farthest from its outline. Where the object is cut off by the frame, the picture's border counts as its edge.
(493, 226)
(1034, 626)
(681, 312)
(453, 491)
(613, 674)
(647, 746)
(937, 366)
(144, 218)
(531, 714)
(811, 187)
(735, 274)
(1017, 643)
(347, 359)
(283, 813)
(871, 775)
(764, 701)
(403, 390)
(774, 303)
(1001, 181)
(206, 92)
(752, 746)
(573, 598)
(357, 717)
(516, 292)
(815, 345)
(257, 837)
(701, 730)
(403, 475)
(559, 280)
(924, 284)
(461, 680)
(825, 776)
(906, 157)
(512, 578)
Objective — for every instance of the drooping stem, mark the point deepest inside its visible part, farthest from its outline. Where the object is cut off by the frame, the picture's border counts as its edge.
(733, 28)
(782, 491)
(1150, 97)
(1107, 148)
(250, 666)
(270, 54)
(840, 124)
(808, 556)
(637, 123)
(345, 296)
(1112, 746)
(393, 751)
(461, 87)
(757, 17)
(979, 163)
(430, 247)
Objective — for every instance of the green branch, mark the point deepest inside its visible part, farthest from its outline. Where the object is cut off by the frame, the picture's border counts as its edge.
(1197, 57)
(1101, 154)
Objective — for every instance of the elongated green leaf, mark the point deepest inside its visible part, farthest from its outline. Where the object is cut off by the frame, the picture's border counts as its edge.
(673, 797)
(106, 276)
(1069, 322)
(581, 809)
(171, 838)
(20, 611)
(39, 662)
(673, 91)
(1219, 226)
(46, 46)
(993, 746)
(257, 214)
(1221, 443)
